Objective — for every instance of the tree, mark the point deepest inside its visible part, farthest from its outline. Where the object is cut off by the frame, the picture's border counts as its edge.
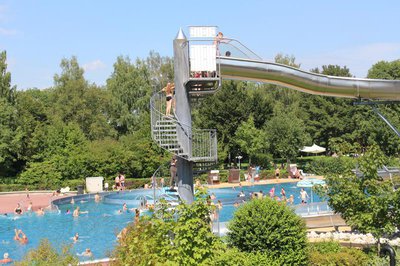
(224, 111)
(6, 90)
(333, 70)
(10, 134)
(161, 70)
(249, 138)
(286, 134)
(10, 138)
(385, 70)
(77, 101)
(289, 60)
(272, 228)
(130, 88)
(367, 203)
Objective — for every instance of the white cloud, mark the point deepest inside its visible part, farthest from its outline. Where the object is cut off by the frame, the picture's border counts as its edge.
(358, 59)
(94, 65)
(7, 32)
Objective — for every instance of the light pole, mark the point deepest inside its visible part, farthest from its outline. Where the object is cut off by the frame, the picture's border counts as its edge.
(239, 158)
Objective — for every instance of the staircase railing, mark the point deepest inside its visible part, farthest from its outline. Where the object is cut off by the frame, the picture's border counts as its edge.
(196, 145)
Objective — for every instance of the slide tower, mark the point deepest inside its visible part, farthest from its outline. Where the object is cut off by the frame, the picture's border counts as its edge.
(200, 63)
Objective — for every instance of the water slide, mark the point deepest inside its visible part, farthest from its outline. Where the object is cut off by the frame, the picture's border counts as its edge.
(243, 64)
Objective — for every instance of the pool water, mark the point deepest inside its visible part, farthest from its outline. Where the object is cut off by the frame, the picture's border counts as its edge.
(228, 196)
(98, 228)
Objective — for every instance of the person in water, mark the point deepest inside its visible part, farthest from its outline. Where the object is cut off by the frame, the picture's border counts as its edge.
(76, 237)
(87, 253)
(77, 212)
(6, 259)
(97, 197)
(20, 236)
(18, 210)
(40, 212)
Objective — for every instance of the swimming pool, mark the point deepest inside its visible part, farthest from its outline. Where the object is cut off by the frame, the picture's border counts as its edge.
(98, 228)
(228, 197)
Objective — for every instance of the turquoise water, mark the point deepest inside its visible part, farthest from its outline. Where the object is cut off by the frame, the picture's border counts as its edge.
(98, 228)
(228, 197)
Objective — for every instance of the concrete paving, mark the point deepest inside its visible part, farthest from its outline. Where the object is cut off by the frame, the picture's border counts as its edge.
(8, 201)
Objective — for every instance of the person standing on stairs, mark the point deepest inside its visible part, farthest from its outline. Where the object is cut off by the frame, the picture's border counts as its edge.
(173, 169)
(169, 93)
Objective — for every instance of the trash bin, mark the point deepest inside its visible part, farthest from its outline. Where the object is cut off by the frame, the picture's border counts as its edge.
(80, 189)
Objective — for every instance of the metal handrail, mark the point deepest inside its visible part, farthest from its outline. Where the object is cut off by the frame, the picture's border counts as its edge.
(231, 42)
(201, 141)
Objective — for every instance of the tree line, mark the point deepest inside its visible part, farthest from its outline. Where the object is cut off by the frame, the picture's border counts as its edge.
(76, 128)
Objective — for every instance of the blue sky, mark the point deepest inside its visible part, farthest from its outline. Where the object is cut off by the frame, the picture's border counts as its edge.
(38, 34)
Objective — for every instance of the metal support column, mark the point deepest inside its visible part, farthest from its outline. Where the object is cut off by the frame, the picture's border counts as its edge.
(183, 112)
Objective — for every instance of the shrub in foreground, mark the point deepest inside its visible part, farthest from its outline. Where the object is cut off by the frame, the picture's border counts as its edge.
(179, 236)
(272, 228)
(331, 253)
(46, 255)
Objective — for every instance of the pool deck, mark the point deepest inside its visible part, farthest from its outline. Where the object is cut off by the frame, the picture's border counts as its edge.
(39, 199)
(42, 199)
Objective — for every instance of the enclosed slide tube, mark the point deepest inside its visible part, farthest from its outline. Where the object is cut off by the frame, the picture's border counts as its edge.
(293, 78)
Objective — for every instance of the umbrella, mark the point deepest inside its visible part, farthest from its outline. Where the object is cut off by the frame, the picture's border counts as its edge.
(310, 182)
(313, 149)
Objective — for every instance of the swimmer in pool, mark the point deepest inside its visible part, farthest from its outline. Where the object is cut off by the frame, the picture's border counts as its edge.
(20, 236)
(40, 212)
(6, 259)
(75, 238)
(18, 209)
(87, 253)
(77, 212)
(97, 197)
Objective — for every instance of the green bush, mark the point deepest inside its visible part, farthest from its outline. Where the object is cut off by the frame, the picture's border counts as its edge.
(234, 257)
(15, 187)
(43, 175)
(269, 227)
(330, 253)
(46, 255)
(325, 247)
(72, 184)
(329, 165)
(181, 236)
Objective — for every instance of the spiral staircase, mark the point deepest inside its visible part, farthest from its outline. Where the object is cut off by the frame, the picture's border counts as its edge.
(196, 145)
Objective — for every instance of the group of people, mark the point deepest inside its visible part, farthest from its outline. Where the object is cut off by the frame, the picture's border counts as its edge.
(87, 252)
(282, 198)
(120, 182)
(19, 211)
